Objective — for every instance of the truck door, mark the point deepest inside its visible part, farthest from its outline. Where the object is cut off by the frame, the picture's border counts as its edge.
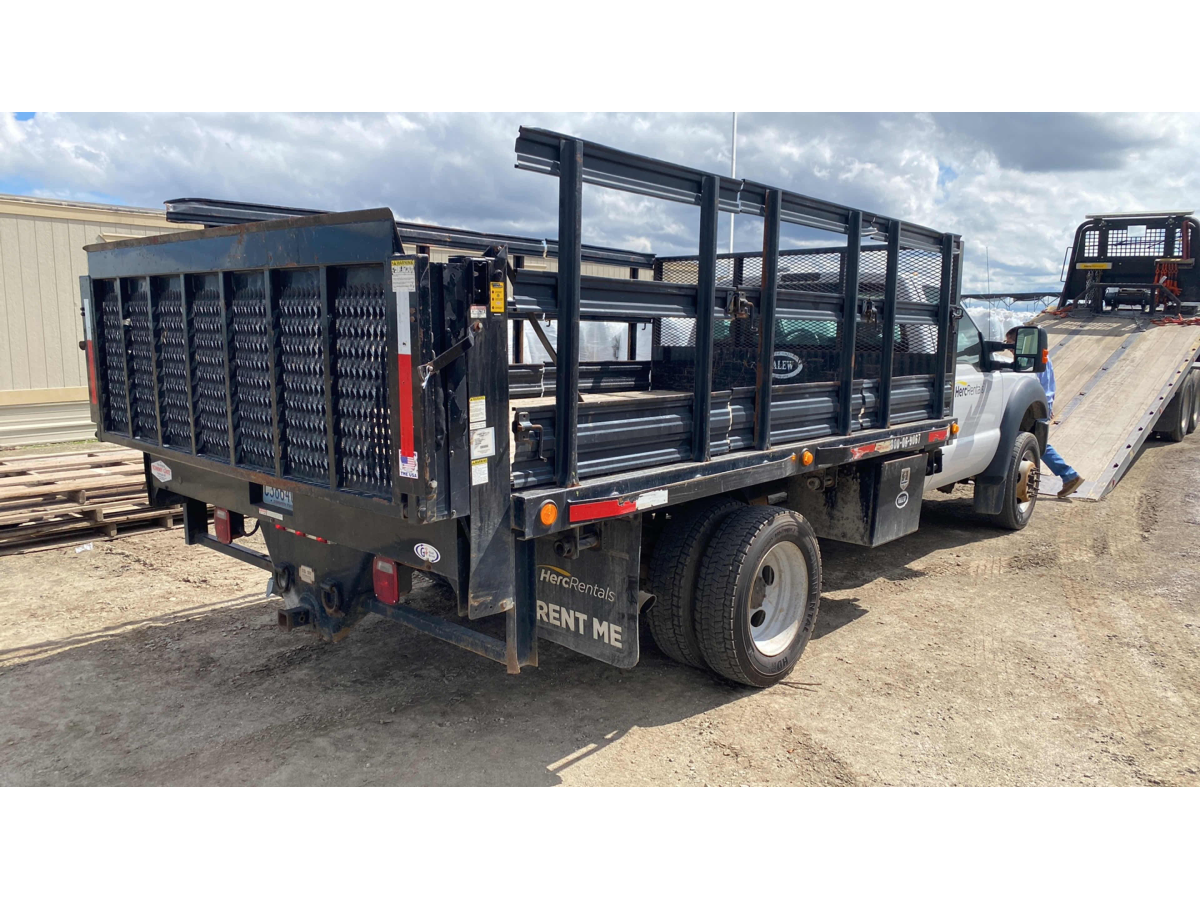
(979, 406)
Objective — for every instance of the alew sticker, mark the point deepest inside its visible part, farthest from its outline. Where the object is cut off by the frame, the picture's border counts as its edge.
(786, 364)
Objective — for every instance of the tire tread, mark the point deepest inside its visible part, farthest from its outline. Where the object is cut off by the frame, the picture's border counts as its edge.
(678, 552)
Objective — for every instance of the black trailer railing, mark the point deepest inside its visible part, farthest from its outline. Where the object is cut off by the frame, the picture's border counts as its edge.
(721, 320)
(1139, 259)
(270, 347)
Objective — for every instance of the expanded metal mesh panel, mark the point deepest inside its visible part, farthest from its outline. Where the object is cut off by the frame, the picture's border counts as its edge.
(1091, 243)
(820, 273)
(171, 344)
(110, 334)
(142, 383)
(208, 366)
(677, 332)
(680, 271)
(868, 338)
(304, 442)
(920, 275)
(752, 269)
(807, 351)
(250, 368)
(735, 354)
(725, 272)
(361, 386)
(1149, 243)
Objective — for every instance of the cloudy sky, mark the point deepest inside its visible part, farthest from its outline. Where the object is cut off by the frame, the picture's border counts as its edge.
(1017, 184)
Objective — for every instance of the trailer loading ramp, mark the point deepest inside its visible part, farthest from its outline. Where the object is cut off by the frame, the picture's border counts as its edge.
(1113, 375)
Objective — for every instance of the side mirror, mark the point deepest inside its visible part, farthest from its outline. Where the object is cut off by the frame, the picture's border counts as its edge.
(1032, 350)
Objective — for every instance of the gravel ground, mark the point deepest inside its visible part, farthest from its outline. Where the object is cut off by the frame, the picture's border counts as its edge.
(1063, 654)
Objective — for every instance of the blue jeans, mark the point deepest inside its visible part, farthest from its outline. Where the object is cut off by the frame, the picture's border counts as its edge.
(1058, 465)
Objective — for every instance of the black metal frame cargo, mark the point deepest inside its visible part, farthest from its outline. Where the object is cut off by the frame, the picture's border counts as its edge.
(266, 356)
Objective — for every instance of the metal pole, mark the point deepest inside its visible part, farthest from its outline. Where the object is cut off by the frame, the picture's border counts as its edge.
(733, 174)
(570, 241)
(766, 328)
(706, 300)
(850, 321)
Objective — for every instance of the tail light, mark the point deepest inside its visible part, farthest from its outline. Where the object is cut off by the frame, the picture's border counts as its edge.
(387, 584)
(222, 525)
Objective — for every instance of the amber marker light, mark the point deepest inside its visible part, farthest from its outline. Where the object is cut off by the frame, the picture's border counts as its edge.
(807, 458)
(548, 514)
(954, 428)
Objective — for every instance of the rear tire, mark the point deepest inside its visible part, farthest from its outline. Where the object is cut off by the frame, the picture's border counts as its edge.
(760, 589)
(1022, 479)
(1195, 418)
(1181, 413)
(674, 565)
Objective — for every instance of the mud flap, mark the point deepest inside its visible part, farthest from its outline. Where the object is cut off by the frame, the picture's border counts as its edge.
(587, 599)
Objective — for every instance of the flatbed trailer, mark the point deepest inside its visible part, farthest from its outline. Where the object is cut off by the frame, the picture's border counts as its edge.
(375, 411)
(1124, 354)
(1121, 379)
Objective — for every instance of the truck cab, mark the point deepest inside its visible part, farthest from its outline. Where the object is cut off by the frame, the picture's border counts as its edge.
(1002, 416)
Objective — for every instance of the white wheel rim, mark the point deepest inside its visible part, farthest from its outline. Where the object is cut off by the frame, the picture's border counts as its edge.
(777, 599)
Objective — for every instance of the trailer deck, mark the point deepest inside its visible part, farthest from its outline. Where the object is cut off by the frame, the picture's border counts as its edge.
(1114, 373)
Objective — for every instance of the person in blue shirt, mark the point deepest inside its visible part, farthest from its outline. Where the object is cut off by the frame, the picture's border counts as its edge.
(1071, 480)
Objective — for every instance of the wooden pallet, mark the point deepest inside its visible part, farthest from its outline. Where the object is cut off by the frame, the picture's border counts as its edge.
(48, 497)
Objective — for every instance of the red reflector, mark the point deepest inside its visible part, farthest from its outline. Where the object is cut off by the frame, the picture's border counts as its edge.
(387, 586)
(602, 509)
(279, 527)
(935, 436)
(321, 540)
(221, 525)
(299, 534)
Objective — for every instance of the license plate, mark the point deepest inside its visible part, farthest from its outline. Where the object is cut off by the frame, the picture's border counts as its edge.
(277, 498)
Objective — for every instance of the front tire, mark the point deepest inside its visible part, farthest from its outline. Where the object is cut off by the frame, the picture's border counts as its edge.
(1021, 483)
(759, 592)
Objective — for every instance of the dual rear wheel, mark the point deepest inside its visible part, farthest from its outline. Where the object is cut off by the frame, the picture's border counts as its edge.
(738, 588)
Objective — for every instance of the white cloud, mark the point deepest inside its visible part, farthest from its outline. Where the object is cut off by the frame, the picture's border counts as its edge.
(1017, 184)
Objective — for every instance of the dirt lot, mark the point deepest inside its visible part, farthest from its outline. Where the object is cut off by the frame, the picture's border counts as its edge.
(1065, 654)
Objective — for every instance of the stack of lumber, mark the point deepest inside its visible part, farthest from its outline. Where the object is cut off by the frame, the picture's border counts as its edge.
(72, 495)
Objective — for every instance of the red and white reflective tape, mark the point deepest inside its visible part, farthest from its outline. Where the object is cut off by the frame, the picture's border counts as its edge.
(311, 537)
(610, 507)
(404, 283)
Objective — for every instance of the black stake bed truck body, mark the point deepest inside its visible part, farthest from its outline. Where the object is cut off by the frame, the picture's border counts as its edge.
(375, 412)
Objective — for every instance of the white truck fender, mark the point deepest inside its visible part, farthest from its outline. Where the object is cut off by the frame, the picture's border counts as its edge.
(1027, 407)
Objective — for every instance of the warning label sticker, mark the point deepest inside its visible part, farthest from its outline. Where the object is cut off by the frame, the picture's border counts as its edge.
(404, 276)
(497, 296)
(479, 412)
(483, 443)
(479, 471)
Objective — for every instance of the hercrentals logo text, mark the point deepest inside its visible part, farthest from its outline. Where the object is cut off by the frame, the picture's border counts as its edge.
(564, 579)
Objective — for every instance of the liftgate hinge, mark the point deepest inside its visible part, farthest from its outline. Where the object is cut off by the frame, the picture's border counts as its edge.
(444, 359)
(527, 432)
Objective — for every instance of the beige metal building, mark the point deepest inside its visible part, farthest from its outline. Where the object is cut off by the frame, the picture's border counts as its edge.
(43, 373)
